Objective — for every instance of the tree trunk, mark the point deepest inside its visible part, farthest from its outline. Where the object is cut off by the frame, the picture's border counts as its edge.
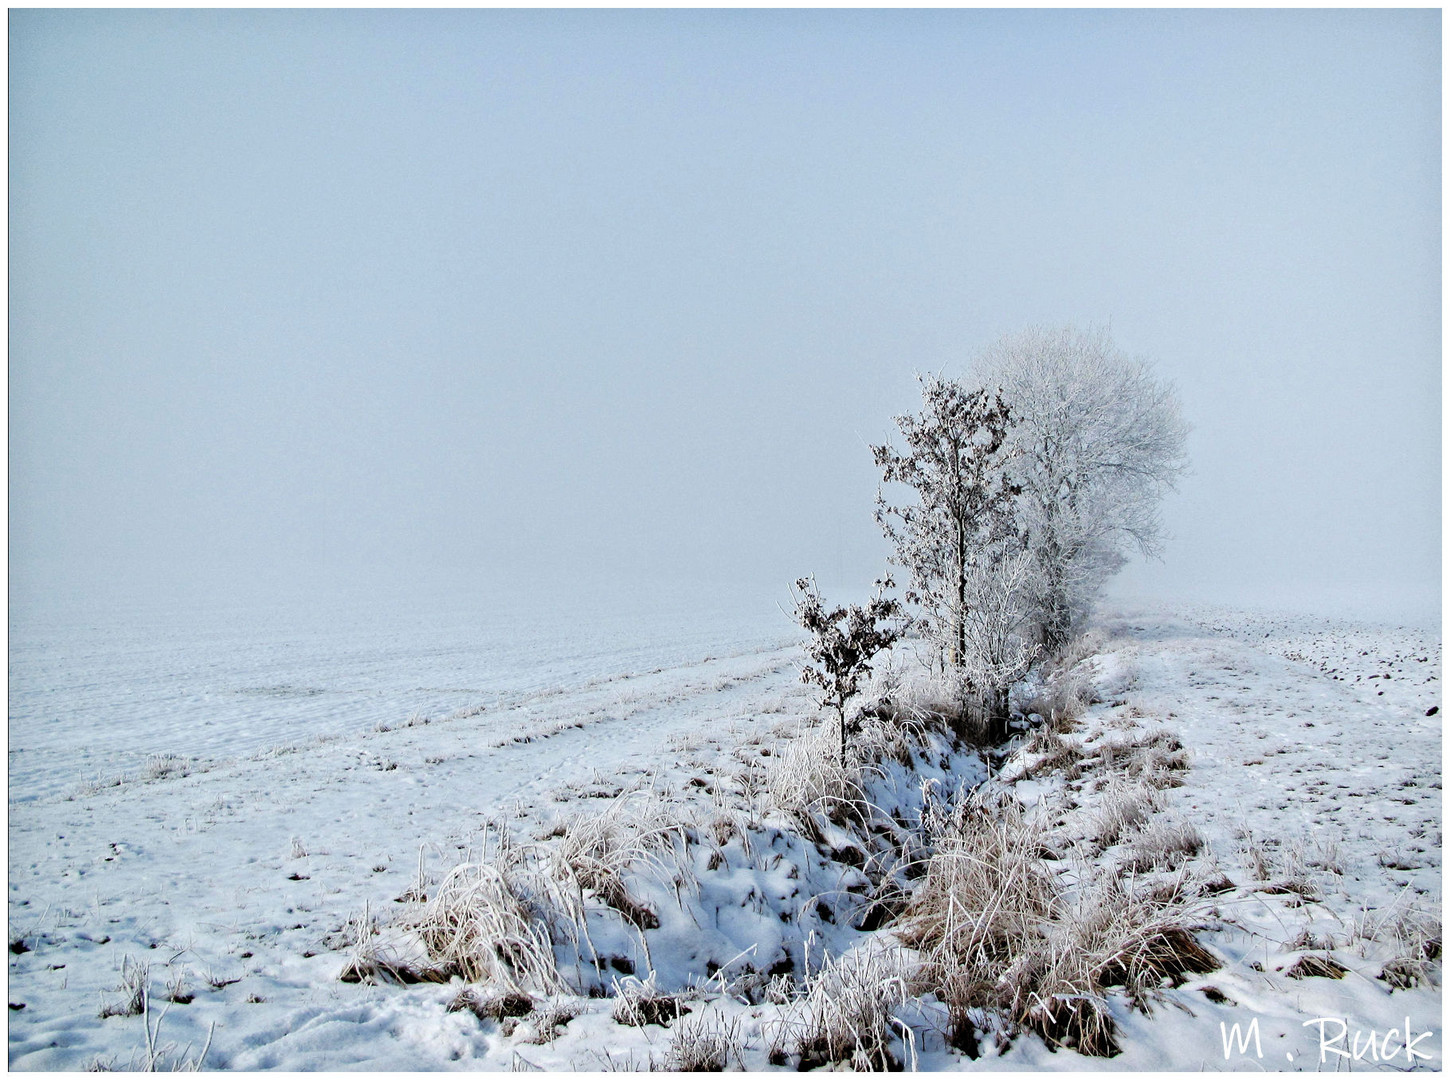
(959, 637)
(997, 716)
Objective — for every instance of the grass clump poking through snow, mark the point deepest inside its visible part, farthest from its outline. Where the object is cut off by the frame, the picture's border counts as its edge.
(806, 779)
(703, 1044)
(595, 851)
(640, 1002)
(495, 1007)
(1413, 932)
(135, 990)
(846, 1015)
(1000, 932)
(1124, 808)
(487, 925)
(1162, 844)
(1064, 687)
(161, 766)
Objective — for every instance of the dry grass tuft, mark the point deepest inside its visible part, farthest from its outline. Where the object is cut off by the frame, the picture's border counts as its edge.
(806, 780)
(135, 989)
(999, 931)
(161, 766)
(494, 1007)
(703, 1044)
(1123, 809)
(1078, 1021)
(1316, 965)
(596, 850)
(1053, 754)
(846, 1015)
(486, 925)
(545, 1023)
(640, 1002)
(1162, 844)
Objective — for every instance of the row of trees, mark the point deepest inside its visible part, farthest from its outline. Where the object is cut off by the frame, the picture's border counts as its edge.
(1023, 488)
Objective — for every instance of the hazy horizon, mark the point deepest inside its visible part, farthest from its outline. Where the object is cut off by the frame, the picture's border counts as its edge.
(559, 296)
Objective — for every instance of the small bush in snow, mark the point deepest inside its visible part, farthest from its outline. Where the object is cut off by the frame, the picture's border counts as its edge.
(844, 640)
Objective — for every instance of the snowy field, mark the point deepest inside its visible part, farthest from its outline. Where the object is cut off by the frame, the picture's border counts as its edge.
(250, 809)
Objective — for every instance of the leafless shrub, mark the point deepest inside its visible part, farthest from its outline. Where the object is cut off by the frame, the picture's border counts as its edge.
(843, 642)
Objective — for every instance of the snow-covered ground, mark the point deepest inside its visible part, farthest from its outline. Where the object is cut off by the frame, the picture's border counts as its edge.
(238, 858)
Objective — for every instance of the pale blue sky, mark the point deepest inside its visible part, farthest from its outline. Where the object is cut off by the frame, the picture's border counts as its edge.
(629, 293)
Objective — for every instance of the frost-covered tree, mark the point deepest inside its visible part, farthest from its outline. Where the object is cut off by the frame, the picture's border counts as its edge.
(843, 642)
(961, 524)
(1095, 444)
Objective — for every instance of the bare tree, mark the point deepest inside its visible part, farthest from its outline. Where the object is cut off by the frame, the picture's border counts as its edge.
(957, 537)
(843, 642)
(1096, 443)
